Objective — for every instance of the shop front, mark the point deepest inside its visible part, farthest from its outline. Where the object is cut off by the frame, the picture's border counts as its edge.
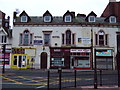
(60, 58)
(81, 58)
(104, 58)
(22, 59)
(70, 58)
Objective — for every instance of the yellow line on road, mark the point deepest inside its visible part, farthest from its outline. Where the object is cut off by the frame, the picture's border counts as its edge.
(11, 80)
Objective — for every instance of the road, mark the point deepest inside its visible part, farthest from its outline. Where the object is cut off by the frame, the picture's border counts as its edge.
(38, 78)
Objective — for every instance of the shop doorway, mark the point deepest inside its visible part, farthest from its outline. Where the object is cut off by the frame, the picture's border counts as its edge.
(43, 60)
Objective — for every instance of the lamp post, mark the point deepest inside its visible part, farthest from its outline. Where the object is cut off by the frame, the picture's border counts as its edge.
(3, 52)
(118, 66)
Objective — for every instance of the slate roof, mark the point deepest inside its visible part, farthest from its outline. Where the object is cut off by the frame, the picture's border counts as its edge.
(59, 20)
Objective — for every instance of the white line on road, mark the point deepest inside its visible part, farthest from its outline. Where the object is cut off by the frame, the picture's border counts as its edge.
(40, 86)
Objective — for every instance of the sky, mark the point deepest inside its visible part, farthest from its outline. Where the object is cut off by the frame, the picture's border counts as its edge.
(55, 7)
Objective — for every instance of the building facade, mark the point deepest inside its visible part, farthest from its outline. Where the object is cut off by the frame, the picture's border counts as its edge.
(69, 41)
(5, 39)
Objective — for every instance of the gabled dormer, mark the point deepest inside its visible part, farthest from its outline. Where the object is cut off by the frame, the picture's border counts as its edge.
(91, 17)
(47, 16)
(111, 19)
(24, 17)
(68, 16)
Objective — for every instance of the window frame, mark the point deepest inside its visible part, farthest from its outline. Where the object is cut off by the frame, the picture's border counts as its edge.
(3, 39)
(22, 38)
(24, 17)
(110, 19)
(93, 17)
(47, 18)
(49, 43)
(66, 18)
(105, 39)
(64, 38)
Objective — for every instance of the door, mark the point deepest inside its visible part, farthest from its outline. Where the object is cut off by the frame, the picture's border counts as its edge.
(21, 61)
(43, 60)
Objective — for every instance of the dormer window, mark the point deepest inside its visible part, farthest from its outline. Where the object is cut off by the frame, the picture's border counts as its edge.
(91, 18)
(24, 18)
(47, 18)
(68, 18)
(112, 19)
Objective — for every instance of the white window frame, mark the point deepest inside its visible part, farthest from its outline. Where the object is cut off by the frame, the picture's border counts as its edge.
(25, 17)
(47, 18)
(22, 38)
(112, 17)
(89, 19)
(68, 16)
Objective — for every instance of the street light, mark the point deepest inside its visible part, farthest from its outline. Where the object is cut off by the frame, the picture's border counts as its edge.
(118, 66)
(3, 52)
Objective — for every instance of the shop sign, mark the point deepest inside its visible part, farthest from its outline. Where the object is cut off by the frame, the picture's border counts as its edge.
(103, 52)
(37, 36)
(80, 50)
(38, 42)
(84, 40)
(18, 51)
(57, 50)
(55, 37)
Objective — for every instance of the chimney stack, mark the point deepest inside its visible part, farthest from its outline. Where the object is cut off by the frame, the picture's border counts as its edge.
(112, 0)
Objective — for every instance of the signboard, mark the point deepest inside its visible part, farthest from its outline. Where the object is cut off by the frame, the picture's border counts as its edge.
(103, 52)
(18, 51)
(80, 50)
(84, 40)
(38, 42)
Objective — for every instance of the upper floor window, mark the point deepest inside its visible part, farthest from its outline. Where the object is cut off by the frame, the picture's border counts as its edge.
(68, 18)
(112, 19)
(47, 18)
(47, 39)
(101, 38)
(68, 38)
(24, 18)
(91, 19)
(3, 39)
(26, 38)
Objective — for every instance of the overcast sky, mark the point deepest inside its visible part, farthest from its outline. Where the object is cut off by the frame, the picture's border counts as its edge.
(56, 7)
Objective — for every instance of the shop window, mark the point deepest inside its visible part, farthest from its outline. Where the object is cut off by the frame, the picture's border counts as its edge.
(57, 62)
(101, 38)
(15, 60)
(26, 38)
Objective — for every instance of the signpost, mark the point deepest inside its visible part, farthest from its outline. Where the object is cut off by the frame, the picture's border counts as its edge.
(95, 71)
(3, 51)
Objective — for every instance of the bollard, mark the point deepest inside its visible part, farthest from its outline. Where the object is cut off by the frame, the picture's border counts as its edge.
(100, 77)
(59, 71)
(48, 79)
(75, 78)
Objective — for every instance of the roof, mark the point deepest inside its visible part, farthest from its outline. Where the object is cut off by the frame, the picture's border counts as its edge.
(59, 19)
